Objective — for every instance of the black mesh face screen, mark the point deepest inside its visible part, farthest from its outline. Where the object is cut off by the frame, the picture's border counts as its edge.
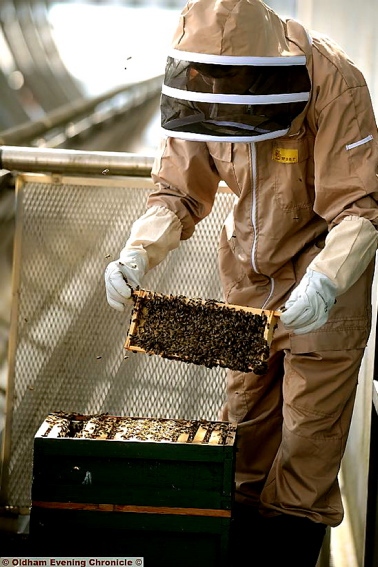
(236, 79)
(227, 119)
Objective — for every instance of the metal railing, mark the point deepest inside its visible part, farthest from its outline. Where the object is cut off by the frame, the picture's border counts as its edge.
(73, 119)
(52, 160)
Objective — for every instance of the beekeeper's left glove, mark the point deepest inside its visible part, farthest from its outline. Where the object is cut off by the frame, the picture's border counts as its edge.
(308, 306)
(349, 249)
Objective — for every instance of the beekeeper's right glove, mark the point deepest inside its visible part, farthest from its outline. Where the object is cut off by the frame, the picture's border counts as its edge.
(152, 237)
(123, 275)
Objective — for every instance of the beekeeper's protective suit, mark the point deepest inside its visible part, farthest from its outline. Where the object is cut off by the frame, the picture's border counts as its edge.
(285, 119)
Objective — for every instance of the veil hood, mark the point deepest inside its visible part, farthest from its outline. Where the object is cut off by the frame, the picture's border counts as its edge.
(236, 71)
(233, 27)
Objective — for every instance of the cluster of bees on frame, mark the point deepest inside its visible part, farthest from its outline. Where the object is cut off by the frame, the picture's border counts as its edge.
(203, 332)
(104, 426)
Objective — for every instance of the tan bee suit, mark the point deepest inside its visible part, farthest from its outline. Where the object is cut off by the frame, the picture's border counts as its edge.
(294, 420)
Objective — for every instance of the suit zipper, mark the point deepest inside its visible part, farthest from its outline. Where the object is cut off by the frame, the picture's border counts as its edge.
(254, 219)
(254, 205)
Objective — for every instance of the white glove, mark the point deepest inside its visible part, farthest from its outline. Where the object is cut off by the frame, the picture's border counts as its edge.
(309, 304)
(123, 275)
(349, 249)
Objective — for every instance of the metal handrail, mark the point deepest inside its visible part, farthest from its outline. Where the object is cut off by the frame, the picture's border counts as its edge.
(68, 113)
(64, 161)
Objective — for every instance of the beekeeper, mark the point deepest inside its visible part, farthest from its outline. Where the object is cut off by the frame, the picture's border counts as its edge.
(285, 119)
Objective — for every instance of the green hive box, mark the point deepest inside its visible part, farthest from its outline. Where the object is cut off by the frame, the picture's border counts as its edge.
(133, 487)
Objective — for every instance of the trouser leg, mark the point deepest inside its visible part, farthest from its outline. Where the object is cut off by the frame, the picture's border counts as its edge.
(319, 392)
(295, 478)
(255, 403)
(300, 494)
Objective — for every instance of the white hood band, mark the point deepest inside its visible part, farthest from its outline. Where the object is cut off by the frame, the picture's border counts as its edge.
(237, 60)
(194, 137)
(235, 99)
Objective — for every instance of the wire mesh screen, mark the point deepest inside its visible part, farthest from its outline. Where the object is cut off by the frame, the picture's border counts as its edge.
(68, 344)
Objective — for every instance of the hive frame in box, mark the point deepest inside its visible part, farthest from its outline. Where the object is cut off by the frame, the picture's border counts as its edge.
(137, 320)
